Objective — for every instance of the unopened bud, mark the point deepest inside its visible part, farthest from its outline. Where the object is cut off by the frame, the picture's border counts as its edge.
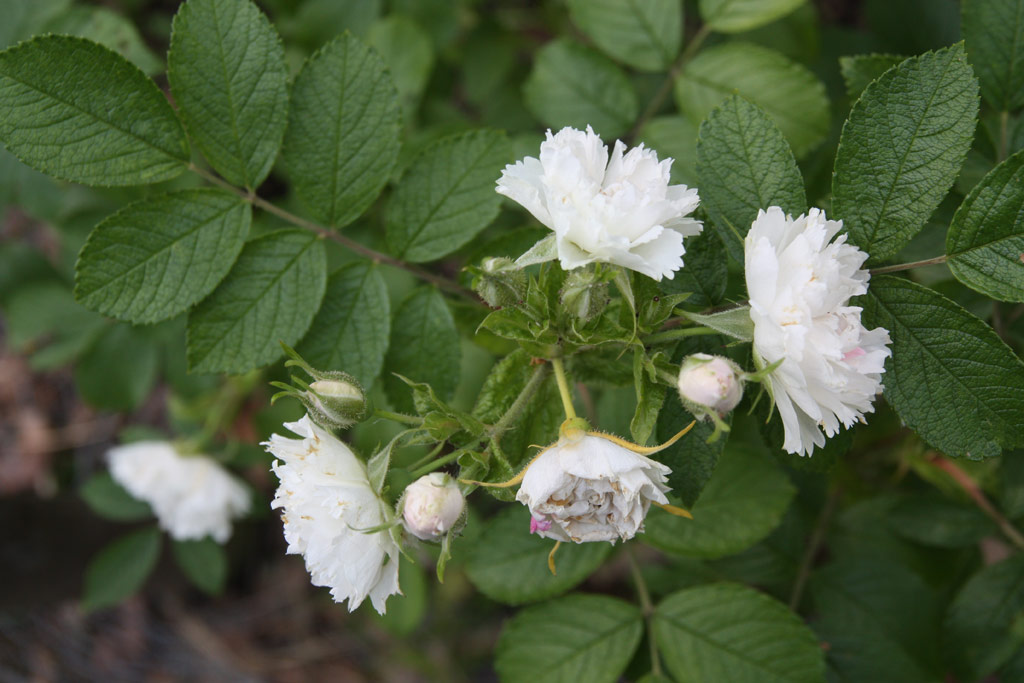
(431, 506)
(710, 383)
(499, 282)
(334, 400)
(584, 294)
(338, 400)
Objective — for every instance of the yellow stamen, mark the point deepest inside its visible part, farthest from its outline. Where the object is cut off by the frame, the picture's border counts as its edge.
(551, 558)
(675, 510)
(643, 450)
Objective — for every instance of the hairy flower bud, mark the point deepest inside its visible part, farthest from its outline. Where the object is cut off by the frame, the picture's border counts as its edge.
(334, 399)
(710, 383)
(499, 282)
(584, 294)
(431, 506)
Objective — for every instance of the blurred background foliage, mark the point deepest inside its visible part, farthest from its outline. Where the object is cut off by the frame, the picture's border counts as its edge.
(896, 535)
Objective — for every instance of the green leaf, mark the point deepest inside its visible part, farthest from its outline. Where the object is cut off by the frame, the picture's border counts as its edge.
(676, 137)
(736, 16)
(705, 273)
(902, 148)
(744, 500)
(424, 348)
(25, 18)
(938, 521)
(789, 93)
(985, 242)
(994, 33)
(509, 564)
(78, 111)
(950, 378)
(983, 627)
(576, 638)
(572, 85)
(692, 458)
(158, 257)
(860, 70)
(110, 500)
(650, 395)
(119, 371)
(350, 333)
(447, 195)
(728, 632)
(108, 28)
(270, 296)
(204, 562)
(735, 322)
(343, 131)
(229, 78)
(645, 34)
(879, 618)
(745, 165)
(409, 54)
(540, 419)
(120, 569)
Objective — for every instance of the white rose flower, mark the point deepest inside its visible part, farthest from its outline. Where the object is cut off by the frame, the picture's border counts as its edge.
(800, 282)
(589, 486)
(191, 496)
(621, 211)
(431, 506)
(328, 504)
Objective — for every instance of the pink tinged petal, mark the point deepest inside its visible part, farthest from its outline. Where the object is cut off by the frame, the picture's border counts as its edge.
(853, 353)
(537, 525)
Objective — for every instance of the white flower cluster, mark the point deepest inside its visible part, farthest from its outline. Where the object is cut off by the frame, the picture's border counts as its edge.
(191, 496)
(800, 282)
(826, 366)
(620, 211)
(332, 516)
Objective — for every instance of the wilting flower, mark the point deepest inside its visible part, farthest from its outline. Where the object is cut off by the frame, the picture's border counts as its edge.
(621, 211)
(191, 496)
(710, 383)
(431, 506)
(800, 282)
(333, 517)
(590, 486)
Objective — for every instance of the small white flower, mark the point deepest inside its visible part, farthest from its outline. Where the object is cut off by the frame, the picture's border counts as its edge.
(328, 506)
(191, 496)
(431, 506)
(590, 486)
(800, 282)
(621, 211)
(710, 382)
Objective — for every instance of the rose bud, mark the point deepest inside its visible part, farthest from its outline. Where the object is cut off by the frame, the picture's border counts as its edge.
(710, 383)
(432, 506)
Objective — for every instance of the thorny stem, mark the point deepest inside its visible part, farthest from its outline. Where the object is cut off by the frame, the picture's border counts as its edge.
(440, 462)
(563, 388)
(646, 606)
(678, 333)
(974, 491)
(494, 432)
(540, 373)
(666, 87)
(398, 417)
(907, 266)
(326, 233)
(813, 546)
